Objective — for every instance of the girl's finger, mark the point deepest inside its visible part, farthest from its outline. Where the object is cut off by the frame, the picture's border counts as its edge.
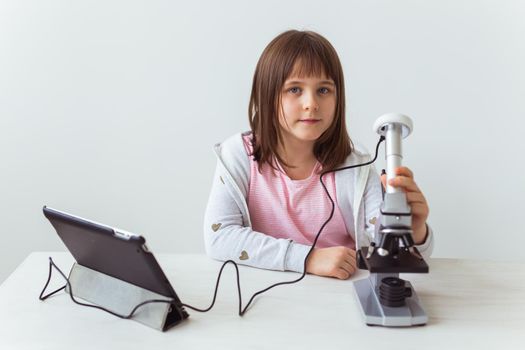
(350, 253)
(404, 171)
(342, 274)
(416, 197)
(348, 267)
(350, 258)
(419, 209)
(404, 182)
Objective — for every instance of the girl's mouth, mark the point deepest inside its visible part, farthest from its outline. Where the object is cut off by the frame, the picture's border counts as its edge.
(310, 121)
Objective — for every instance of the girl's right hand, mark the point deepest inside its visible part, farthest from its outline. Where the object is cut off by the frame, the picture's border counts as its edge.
(339, 262)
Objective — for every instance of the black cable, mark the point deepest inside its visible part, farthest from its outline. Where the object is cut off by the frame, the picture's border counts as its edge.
(217, 287)
(383, 172)
(68, 284)
(243, 311)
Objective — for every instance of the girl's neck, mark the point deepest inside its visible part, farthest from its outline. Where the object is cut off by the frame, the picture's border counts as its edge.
(297, 152)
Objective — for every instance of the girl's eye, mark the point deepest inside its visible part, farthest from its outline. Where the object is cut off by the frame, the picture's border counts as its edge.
(294, 90)
(324, 90)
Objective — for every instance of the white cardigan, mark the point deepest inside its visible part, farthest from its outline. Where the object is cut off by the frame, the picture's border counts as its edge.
(228, 233)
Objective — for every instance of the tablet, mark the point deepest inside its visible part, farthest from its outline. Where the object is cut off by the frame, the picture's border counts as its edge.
(111, 251)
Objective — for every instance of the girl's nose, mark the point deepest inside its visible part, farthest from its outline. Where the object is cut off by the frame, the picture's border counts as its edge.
(310, 103)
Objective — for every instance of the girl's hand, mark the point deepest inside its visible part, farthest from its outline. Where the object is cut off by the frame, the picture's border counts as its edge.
(405, 179)
(339, 262)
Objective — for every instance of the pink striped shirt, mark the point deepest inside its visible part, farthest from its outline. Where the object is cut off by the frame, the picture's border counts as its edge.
(294, 209)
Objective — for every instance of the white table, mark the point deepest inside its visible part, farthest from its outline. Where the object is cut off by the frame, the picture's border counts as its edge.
(471, 304)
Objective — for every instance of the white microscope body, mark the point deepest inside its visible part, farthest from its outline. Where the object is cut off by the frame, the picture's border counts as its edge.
(385, 299)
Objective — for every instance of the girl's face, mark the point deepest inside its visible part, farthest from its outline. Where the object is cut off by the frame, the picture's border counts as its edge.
(308, 107)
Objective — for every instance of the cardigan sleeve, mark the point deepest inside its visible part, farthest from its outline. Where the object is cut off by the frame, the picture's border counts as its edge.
(227, 237)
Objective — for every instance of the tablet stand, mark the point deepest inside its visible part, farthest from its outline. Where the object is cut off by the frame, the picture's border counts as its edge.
(121, 297)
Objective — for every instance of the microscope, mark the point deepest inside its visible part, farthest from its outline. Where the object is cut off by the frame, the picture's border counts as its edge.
(386, 299)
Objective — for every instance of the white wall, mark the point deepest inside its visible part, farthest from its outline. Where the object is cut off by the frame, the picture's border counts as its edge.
(109, 109)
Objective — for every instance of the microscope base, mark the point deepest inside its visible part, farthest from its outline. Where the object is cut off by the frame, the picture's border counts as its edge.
(376, 314)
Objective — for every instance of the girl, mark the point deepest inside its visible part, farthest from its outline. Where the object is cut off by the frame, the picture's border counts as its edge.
(267, 203)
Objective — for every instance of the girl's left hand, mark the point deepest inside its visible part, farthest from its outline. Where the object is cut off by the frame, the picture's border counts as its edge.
(405, 180)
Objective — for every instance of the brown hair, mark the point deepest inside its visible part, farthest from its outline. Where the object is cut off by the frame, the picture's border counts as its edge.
(316, 56)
